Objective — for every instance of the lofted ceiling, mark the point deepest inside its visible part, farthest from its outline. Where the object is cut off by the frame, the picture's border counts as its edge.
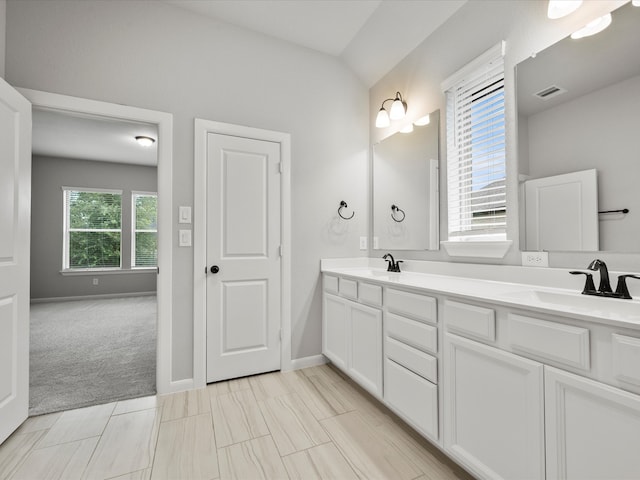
(369, 36)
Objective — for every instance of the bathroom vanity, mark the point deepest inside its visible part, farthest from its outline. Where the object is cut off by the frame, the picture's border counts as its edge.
(511, 380)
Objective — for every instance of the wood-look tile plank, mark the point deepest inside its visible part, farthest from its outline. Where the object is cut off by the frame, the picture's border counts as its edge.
(39, 422)
(322, 398)
(372, 411)
(228, 386)
(370, 456)
(269, 385)
(186, 449)
(137, 404)
(291, 424)
(78, 424)
(66, 461)
(236, 418)
(185, 404)
(326, 372)
(15, 449)
(127, 445)
(321, 463)
(139, 475)
(254, 459)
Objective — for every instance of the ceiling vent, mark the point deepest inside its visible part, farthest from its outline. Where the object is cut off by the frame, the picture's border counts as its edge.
(549, 92)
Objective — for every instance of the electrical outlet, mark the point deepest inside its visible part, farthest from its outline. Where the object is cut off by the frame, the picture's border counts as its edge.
(96, 281)
(363, 243)
(535, 259)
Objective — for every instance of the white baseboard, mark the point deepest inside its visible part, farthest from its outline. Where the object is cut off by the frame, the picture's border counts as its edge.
(177, 386)
(92, 297)
(306, 362)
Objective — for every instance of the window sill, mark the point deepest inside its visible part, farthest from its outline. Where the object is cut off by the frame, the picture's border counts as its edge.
(480, 249)
(106, 271)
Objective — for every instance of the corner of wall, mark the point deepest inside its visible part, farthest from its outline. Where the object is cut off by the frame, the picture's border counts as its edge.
(3, 34)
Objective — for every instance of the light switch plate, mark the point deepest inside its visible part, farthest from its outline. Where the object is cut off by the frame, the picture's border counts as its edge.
(185, 238)
(535, 259)
(184, 215)
(363, 243)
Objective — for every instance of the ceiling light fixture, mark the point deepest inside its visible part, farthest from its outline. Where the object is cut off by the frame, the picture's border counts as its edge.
(562, 8)
(145, 141)
(591, 28)
(397, 111)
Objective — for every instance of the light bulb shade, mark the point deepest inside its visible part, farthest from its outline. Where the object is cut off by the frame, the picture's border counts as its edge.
(398, 109)
(422, 121)
(562, 8)
(408, 128)
(635, 3)
(591, 28)
(382, 120)
(145, 141)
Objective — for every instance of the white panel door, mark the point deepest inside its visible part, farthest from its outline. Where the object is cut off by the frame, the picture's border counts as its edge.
(562, 212)
(15, 204)
(592, 430)
(493, 410)
(243, 242)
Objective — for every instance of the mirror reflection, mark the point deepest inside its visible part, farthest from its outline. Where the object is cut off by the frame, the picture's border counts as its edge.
(405, 189)
(578, 110)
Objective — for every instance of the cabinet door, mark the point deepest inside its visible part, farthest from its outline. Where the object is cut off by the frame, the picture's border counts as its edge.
(335, 332)
(366, 347)
(592, 429)
(493, 410)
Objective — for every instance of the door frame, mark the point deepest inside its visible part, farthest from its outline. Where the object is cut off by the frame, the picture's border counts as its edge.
(164, 294)
(201, 130)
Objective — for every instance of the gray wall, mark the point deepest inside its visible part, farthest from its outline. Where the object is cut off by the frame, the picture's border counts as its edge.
(154, 55)
(49, 175)
(476, 27)
(3, 27)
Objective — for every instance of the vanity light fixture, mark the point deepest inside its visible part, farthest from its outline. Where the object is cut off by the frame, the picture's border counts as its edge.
(408, 128)
(145, 141)
(591, 28)
(562, 8)
(397, 111)
(422, 121)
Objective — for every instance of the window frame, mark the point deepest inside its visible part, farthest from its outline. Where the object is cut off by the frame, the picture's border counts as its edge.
(66, 230)
(134, 230)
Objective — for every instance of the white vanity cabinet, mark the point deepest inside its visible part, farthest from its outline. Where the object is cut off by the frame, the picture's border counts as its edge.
(493, 410)
(352, 331)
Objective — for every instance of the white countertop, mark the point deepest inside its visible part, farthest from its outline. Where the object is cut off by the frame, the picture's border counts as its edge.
(557, 301)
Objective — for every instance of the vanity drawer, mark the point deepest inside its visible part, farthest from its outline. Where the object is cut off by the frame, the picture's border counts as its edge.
(470, 320)
(371, 294)
(420, 307)
(413, 397)
(348, 288)
(625, 353)
(563, 344)
(415, 360)
(412, 332)
(330, 284)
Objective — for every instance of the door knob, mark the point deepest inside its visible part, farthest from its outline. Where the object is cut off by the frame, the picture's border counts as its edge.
(215, 269)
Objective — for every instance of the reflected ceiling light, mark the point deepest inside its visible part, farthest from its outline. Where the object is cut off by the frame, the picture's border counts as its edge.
(397, 111)
(408, 128)
(145, 141)
(591, 28)
(562, 8)
(422, 121)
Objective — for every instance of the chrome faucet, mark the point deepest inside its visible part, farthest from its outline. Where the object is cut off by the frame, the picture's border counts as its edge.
(393, 265)
(599, 265)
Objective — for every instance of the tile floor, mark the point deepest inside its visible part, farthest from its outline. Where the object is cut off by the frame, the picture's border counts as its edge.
(307, 424)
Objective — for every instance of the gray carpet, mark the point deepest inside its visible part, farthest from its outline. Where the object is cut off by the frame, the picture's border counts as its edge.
(88, 352)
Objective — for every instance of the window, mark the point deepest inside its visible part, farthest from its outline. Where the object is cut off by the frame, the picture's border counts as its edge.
(144, 237)
(476, 172)
(92, 228)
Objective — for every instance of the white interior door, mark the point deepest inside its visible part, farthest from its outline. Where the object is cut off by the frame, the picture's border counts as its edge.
(243, 242)
(562, 212)
(15, 203)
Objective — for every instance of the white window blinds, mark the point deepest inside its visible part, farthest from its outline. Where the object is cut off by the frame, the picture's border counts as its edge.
(476, 150)
(145, 229)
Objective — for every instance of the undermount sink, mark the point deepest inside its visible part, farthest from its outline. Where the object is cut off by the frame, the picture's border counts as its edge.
(577, 302)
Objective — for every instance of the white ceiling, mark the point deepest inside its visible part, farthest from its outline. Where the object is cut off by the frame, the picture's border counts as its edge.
(370, 36)
(84, 137)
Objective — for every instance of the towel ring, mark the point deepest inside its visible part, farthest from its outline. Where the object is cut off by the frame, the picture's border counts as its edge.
(343, 204)
(395, 209)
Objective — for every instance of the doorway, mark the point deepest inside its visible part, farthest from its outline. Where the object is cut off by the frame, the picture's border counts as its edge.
(162, 122)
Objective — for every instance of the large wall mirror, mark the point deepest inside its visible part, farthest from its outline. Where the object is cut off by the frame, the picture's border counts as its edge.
(579, 111)
(405, 189)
